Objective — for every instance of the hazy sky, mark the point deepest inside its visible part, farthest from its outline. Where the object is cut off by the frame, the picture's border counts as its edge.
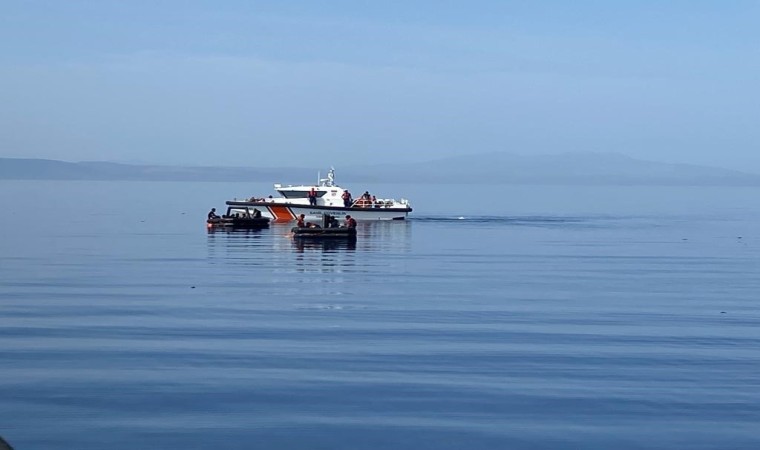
(315, 84)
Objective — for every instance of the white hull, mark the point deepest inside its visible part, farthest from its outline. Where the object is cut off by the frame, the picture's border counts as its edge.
(285, 212)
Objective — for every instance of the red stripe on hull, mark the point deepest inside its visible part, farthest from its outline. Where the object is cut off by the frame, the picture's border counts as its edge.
(281, 213)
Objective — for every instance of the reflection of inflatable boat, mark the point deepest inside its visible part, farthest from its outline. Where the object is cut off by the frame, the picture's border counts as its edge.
(239, 218)
(238, 222)
(323, 244)
(324, 233)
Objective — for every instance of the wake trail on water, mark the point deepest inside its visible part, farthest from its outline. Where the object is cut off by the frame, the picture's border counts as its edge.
(503, 219)
(529, 220)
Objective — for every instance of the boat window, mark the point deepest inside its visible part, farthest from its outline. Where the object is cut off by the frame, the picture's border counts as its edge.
(293, 194)
(300, 194)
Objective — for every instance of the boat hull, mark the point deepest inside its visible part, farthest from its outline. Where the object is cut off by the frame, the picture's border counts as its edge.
(286, 212)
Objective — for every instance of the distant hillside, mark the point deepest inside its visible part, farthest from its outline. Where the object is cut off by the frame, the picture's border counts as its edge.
(43, 169)
(567, 168)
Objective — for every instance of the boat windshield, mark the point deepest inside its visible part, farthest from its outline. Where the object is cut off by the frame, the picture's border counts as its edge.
(300, 194)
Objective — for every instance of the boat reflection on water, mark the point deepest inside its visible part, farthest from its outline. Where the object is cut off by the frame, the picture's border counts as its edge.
(235, 231)
(241, 246)
(326, 245)
(276, 248)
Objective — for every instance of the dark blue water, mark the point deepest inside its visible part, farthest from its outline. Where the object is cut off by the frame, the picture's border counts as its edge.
(497, 318)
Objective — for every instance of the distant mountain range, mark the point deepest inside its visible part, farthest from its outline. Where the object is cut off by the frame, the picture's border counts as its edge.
(487, 168)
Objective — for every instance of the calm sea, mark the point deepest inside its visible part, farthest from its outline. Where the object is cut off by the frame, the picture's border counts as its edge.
(498, 317)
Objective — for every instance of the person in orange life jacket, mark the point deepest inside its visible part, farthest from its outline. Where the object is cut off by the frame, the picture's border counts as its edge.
(312, 197)
(350, 222)
(300, 223)
(346, 198)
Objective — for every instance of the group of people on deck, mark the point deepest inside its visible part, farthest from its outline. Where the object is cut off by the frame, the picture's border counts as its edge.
(365, 201)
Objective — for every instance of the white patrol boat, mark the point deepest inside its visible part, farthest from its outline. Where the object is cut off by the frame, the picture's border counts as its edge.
(327, 198)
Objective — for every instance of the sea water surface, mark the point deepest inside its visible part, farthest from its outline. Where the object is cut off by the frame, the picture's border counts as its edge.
(497, 317)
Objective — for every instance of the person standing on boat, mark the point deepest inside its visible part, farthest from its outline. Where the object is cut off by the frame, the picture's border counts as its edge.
(364, 200)
(350, 222)
(313, 197)
(346, 198)
(300, 223)
(212, 214)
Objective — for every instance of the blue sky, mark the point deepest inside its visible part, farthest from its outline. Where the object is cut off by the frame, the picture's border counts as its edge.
(345, 82)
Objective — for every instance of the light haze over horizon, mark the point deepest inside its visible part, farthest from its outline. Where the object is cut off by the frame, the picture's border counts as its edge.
(315, 84)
